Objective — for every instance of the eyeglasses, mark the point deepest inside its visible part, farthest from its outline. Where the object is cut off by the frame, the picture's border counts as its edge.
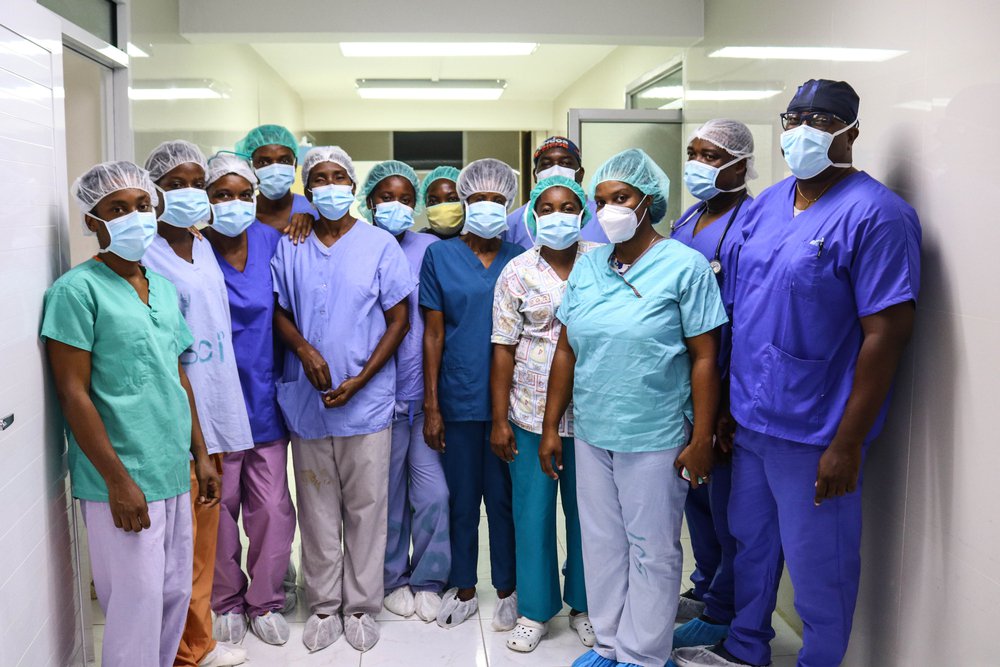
(820, 120)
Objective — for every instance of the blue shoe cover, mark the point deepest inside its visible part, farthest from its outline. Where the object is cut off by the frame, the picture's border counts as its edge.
(697, 632)
(593, 659)
(671, 663)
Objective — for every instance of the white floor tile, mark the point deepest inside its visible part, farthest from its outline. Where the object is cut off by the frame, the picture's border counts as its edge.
(416, 644)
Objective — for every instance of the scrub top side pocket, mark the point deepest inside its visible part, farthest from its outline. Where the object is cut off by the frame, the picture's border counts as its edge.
(792, 392)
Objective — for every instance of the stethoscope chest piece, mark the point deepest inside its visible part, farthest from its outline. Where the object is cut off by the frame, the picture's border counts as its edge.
(716, 267)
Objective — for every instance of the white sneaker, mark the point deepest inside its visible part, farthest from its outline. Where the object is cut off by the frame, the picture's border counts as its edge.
(321, 632)
(271, 628)
(400, 602)
(427, 604)
(361, 632)
(230, 628)
(505, 615)
(454, 611)
(526, 635)
(581, 623)
(224, 655)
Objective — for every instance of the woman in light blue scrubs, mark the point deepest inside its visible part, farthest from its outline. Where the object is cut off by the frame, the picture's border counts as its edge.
(638, 354)
(457, 281)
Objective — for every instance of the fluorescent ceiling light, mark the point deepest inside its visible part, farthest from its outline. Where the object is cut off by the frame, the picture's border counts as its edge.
(426, 89)
(435, 49)
(925, 105)
(178, 89)
(806, 53)
(134, 51)
(717, 93)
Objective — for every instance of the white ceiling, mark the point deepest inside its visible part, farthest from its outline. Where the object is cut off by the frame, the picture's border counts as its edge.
(320, 71)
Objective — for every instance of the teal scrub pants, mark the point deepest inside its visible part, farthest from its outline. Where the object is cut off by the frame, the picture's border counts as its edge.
(535, 531)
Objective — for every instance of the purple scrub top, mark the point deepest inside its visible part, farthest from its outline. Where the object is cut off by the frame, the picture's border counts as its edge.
(803, 283)
(338, 296)
(251, 306)
(410, 356)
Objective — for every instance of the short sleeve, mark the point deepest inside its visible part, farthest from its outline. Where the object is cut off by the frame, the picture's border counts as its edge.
(700, 302)
(431, 296)
(886, 266)
(69, 317)
(184, 337)
(278, 277)
(508, 322)
(395, 281)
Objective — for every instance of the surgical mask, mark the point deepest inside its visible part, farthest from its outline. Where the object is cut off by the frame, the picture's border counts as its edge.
(619, 222)
(232, 218)
(557, 230)
(446, 218)
(486, 219)
(333, 201)
(700, 179)
(556, 170)
(184, 207)
(807, 150)
(130, 234)
(275, 179)
(394, 217)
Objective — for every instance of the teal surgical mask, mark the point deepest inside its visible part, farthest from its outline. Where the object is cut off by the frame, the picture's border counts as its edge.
(486, 219)
(394, 217)
(807, 150)
(333, 201)
(275, 179)
(185, 207)
(130, 234)
(557, 230)
(232, 218)
(700, 179)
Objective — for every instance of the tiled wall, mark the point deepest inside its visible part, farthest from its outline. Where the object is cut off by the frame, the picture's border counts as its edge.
(40, 602)
(930, 590)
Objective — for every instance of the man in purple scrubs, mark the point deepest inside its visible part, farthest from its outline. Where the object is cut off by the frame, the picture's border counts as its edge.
(825, 297)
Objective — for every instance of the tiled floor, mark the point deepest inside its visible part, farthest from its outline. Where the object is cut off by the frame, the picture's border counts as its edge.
(412, 643)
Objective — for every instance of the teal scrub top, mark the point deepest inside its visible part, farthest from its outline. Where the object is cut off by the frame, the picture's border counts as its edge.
(134, 382)
(632, 384)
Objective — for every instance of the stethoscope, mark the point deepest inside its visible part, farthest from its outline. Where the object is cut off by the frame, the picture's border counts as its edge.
(716, 261)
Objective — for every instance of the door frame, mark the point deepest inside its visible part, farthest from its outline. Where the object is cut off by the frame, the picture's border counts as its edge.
(577, 117)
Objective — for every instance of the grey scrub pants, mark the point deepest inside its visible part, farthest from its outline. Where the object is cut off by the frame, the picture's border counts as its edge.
(342, 489)
(631, 506)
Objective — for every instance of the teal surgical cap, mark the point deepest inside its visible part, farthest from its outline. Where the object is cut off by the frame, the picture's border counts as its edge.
(266, 135)
(637, 169)
(554, 182)
(438, 173)
(379, 173)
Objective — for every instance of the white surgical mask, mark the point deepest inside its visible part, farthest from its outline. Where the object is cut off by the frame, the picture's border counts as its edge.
(619, 222)
(556, 170)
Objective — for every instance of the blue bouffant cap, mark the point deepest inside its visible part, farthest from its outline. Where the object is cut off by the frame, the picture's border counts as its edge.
(836, 97)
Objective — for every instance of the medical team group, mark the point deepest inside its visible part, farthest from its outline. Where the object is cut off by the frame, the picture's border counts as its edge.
(734, 373)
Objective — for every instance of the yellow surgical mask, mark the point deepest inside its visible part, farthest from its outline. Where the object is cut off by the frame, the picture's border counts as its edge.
(446, 218)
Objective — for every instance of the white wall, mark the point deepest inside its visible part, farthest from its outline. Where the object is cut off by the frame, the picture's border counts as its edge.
(930, 588)
(39, 614)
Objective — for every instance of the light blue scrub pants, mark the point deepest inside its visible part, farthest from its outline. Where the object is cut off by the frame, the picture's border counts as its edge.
(535, 531)
(772, 511)
(630, 517)
(714, 547)
(418, 507)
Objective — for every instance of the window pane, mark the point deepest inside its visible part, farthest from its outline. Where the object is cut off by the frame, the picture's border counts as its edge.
(95, 16)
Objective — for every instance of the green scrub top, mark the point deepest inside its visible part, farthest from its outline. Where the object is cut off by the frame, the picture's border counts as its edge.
(134, 382)
(632, 383)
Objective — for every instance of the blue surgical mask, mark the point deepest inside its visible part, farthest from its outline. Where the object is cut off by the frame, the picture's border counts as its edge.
(557, 230)
(807, 150)
(184, 207)
(700, 179)
(556, 170)
(275, 179)
(332, 201)
(130, 234)
(394, 217)
(232, 218)
(485, 219)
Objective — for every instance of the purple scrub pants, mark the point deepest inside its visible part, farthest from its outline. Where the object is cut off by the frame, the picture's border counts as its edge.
(707, 513)
(255, 482)
(418, 507)
(143, 581)
(772, 511)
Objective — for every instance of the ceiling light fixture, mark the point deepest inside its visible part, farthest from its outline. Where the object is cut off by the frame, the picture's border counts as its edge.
(178, 89)
(722, 92)
(427, 89)
(435, 50)
(807, 53)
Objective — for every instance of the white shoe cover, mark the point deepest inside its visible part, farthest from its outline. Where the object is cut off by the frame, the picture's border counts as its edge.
(581, 623)
(526, 635)
(400, 602)
(229, 628)
(427, 604)
(454, 611)
(271, 628)
(224, 655)
(361, 632)
(505, 615)
(321, 632)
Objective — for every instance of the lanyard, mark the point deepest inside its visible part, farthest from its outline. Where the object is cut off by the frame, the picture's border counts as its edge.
(716, 262)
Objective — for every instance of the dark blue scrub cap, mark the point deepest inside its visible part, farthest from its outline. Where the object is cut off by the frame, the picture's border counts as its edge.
(836, 97)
